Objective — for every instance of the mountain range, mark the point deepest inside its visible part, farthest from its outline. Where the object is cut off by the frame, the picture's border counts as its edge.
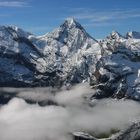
(69, 55)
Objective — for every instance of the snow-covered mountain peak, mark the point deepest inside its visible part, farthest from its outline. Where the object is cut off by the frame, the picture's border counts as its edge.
(69, 28)
(71, 23)
(13, 31)
(133, 34)
(115, 35)
(19, 31)
(66, 40)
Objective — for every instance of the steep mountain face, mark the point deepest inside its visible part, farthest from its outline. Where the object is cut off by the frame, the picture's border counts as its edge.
(67, 39)
(70, 50)
(66, 55)
(18, 57)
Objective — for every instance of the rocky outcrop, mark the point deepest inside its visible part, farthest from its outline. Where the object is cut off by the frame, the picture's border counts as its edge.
(82, 136)
(130, 133)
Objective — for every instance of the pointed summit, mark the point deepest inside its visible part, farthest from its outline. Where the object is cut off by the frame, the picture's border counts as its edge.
(115, 35)
(70, 35)
(71, 23)
(70, 30)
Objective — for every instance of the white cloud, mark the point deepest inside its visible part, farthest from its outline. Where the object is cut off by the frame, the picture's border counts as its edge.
(5, 15)
(21, 121)
(100, 24)
(104, 17)
(13, 3)
(107, 14)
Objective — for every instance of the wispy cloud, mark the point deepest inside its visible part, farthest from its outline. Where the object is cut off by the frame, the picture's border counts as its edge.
(99, 24)
(104, 17)
(15, 3)
(5, 15)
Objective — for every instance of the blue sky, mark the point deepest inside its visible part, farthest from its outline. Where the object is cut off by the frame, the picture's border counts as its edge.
(99, 17)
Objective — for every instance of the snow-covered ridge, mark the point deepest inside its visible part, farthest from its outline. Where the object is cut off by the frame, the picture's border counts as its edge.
(69, 55)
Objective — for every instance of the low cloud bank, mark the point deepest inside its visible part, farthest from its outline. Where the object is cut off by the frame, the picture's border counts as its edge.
(22, 121)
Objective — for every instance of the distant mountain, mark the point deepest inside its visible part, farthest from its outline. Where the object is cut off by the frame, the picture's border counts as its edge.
(115, 35)
(133, 34)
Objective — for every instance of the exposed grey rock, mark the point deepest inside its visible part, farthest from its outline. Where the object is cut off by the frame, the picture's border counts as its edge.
(82, 136)
(131, 133)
